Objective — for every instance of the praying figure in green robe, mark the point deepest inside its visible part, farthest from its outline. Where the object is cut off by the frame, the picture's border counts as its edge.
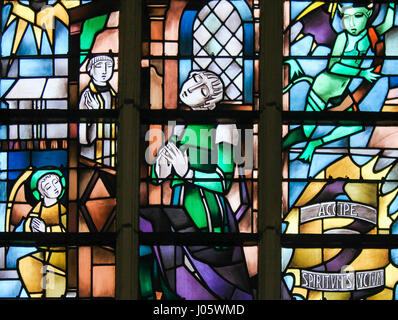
(330, 88)
(198, 161)
(199, 158)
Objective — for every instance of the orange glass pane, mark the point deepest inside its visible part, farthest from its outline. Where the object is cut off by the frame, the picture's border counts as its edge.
(104, 281)
(156, 48)
(84, 272)
(170, 85)
(173, 20)
(156, 30)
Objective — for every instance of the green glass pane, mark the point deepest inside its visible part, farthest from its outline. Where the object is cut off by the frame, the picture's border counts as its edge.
(90, 29)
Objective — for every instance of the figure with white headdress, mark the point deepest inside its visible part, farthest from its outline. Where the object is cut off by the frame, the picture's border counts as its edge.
(98, 139)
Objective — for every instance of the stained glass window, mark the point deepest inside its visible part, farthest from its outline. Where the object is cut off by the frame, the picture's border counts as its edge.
(58, 90)
(199, 171)
(339, 153)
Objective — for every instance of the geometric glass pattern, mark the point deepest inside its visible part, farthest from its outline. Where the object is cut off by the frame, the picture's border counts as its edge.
(59, 61)
(199, 174)
(218, 45)
(219, 36)
(340, 158)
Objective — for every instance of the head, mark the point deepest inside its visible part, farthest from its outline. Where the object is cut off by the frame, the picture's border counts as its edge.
(48, 184)
(355, 16)
(100, 68)
(202, 90)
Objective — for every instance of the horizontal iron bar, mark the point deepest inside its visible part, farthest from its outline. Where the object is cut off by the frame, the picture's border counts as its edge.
(208, 239)
(343, 117)
(327, 57)
(208, 117)
(198, 239)
(339, 241)
(22, 239)
(55, 116)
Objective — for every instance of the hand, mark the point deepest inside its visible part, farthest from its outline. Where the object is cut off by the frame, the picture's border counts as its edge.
(295, 69)
(91, 101)
(162, 166)
(369, 75)
(37, 225)
(178, 158)
(308, 152)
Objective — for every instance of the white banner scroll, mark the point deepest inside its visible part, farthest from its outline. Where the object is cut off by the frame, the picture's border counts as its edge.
(341, 209)
(344, 281)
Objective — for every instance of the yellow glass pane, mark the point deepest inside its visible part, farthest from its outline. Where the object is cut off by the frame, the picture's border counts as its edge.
(304, 258)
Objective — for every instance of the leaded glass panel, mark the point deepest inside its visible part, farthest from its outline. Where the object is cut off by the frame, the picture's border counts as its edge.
(58, 86)
(199, 171)
(339, 150)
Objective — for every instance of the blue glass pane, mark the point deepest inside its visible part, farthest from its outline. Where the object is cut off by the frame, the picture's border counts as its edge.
(248, 84)
(302, 47)
(5, 84)
(393, 82)
(342, 197)
(243, 9)
(45, 45)
(320, 162)
(295, 189)
(7, 40)
(390, 67)
(3, 196)
(393, 208)
(374, 101)
(28, 43)
(3, 208)
(297, 7)
(61, 39)
(380, 17)
(185, 67)
(312, 67)
(297, 98)
(36, 67)
(362, 138)
(14, 253)
(298, 169)
(186, 32)
(4, 15)
(16, 161)
(3, 163)
(145, 250)
(49, 158)
(10, 288)
(249, 39)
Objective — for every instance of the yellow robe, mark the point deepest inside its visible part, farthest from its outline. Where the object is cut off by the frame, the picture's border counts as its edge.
(43, 272)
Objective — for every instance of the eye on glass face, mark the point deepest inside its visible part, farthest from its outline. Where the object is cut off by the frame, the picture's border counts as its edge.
(355, 20)
(195, 91)
(197, 78)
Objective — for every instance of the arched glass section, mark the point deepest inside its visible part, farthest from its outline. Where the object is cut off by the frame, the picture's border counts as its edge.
(220, 37)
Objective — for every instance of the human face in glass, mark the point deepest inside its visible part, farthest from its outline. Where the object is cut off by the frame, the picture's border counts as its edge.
(355, 19)
(102, 71)
(50, 186)
(195, 91)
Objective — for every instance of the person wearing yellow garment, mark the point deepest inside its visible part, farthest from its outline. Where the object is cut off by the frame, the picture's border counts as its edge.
(98, 139)
(43, 272)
